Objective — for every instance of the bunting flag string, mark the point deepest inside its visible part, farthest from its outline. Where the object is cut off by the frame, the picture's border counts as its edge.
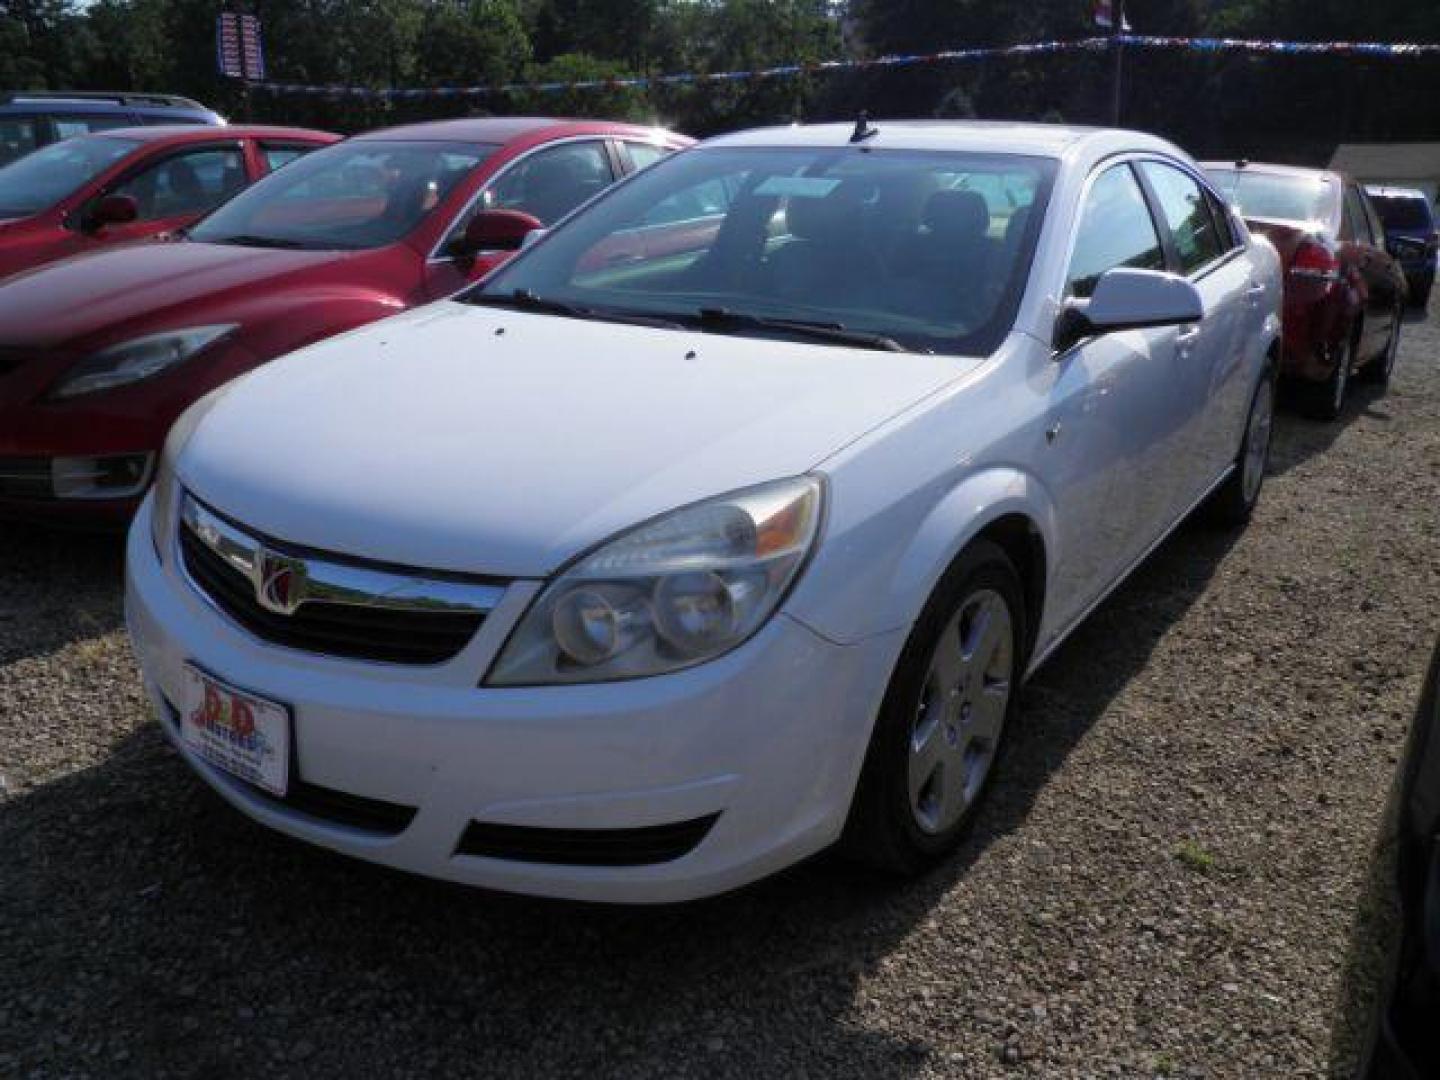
(1363, 49)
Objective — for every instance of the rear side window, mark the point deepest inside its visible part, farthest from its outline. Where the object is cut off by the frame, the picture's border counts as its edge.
(18, 135)
(1115, 230)
(277, 157)
(646, 154)
(1187, 215)
(71, 125)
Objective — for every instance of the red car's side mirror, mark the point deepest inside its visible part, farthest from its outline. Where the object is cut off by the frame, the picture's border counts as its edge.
(114, 210)
(495, 230)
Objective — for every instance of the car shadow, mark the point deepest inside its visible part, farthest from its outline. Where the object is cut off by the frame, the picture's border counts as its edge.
(1298, 438)
(155, 919)
(57, 588)
(1374, 935)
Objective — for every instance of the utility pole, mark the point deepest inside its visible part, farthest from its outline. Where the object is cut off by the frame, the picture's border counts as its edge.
(1117, 47)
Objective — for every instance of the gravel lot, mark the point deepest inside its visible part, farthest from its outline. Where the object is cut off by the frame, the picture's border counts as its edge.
(1177, 875)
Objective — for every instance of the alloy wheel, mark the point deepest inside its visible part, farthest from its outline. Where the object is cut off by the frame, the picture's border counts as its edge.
(1257, 440)
(961, 717)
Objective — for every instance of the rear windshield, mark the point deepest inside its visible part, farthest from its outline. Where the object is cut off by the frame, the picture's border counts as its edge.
(1277, 196)
(1408, 212)
(40, 180)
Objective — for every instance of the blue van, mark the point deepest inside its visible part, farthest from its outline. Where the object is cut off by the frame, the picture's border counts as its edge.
(1412, 235)
(31, 120)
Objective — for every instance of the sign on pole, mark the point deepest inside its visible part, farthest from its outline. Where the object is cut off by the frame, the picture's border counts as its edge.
(239, 50)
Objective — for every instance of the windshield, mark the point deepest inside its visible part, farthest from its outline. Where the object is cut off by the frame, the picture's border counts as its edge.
(39, 180)
(928, 250)
(1407, 213)
(354, 195)
(1308, 199)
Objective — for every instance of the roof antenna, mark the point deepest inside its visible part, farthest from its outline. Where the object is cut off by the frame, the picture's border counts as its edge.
(863, 130)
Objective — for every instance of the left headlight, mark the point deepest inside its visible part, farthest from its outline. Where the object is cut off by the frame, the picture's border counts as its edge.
(162, 511)
(677, 591)
(131, 361)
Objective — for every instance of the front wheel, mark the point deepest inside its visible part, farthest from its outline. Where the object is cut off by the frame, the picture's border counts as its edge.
(944, 720)
(1234, 502)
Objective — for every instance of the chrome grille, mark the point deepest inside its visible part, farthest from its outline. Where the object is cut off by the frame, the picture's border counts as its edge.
(330, 604)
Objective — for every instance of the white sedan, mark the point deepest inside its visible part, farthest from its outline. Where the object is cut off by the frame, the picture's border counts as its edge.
(719, 526)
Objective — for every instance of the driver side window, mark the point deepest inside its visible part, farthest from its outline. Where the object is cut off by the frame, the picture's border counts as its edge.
(550, 183)
(188, 183)
(1116, 230)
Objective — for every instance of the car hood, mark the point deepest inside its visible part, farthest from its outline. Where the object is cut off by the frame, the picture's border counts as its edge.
(72, 299)
(486, 441)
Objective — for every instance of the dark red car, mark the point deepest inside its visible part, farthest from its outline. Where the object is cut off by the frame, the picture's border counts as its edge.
(1344, 293)
(82, 194)
(98, 356)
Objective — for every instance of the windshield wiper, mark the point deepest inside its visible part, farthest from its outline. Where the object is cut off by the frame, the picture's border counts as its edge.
(719, 318)
(527, 300)
(246, 240)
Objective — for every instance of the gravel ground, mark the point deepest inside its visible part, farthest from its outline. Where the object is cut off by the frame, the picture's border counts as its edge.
(1178, 875)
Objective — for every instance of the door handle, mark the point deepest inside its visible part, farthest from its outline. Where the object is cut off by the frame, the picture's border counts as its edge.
(1187, 335)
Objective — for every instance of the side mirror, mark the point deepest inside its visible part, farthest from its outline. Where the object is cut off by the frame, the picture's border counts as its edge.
(114, 210)
(494, 230)
(1402, 247)
(1126, 299)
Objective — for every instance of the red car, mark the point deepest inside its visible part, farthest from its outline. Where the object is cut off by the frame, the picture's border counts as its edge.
(98, 356)
(1344, 294)
(82, 194)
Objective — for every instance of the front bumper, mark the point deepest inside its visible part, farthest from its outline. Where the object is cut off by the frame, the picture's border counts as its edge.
(127, 423)
(767, 740)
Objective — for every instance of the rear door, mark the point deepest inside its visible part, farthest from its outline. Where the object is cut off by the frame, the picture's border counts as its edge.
(1368, 273)
(1209, 386)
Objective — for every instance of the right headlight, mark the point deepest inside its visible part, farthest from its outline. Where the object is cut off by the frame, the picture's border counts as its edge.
(677, 591)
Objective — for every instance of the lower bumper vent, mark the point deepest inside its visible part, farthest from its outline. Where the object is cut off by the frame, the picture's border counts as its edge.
(585, 847)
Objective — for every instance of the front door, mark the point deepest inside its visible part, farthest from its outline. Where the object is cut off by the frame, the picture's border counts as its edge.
(1111, 416)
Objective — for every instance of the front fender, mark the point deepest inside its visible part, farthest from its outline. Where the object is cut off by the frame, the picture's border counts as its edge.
(874, 576)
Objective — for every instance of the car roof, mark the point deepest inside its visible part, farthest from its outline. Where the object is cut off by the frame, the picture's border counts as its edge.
(1270, 169)
(502, 129)
(991, 136)
(60, 104)
(179, 134)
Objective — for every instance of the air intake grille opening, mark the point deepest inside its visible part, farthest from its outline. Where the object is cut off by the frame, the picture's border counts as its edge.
(350, 631)
(585, 847)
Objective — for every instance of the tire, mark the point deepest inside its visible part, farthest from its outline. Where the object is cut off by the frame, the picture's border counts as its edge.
(931, 728)
(1420, 289)
(1326, 400)
(1379, 370)
(1234, 501)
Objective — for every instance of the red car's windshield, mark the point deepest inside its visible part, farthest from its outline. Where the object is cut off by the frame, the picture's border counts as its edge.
(363, 194)
(39, 180)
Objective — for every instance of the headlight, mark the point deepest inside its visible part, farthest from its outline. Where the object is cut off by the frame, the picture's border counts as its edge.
(132, 361)
(675, 592)
(162, 512)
